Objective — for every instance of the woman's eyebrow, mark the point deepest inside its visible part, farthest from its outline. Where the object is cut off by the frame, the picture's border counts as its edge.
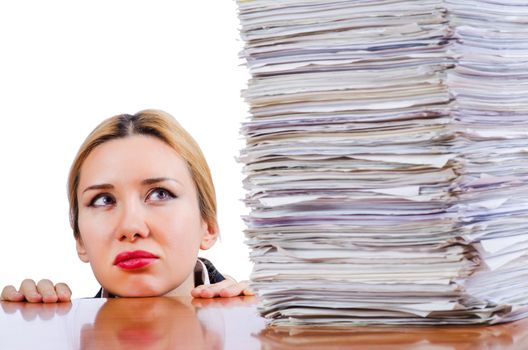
(99, 187)
(158, 179)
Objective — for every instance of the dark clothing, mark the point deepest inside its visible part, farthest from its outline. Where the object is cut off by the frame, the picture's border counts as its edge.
(214, 277)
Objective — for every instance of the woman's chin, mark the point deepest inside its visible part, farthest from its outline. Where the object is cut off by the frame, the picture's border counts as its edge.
(144, 286)
(138, 292)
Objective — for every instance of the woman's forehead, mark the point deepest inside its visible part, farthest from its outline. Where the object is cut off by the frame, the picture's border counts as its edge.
(133, 158)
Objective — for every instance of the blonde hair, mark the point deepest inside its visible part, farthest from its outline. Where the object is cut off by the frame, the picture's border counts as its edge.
(154, 123)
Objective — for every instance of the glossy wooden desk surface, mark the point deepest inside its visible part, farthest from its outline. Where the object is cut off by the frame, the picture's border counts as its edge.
(184, 323)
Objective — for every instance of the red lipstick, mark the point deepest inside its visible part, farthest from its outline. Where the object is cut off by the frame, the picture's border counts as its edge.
(134, 260)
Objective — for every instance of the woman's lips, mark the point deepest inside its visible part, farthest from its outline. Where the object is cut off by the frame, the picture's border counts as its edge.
(134, 260)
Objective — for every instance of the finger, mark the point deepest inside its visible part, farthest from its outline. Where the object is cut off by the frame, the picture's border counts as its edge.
(205, 291)
(63, 292)
(231, 291)
(212, 290)
(215, 290)
(9, 293)
(196, 291)
(29, 290)
(47, 290)
(247, 291)
(241, 288)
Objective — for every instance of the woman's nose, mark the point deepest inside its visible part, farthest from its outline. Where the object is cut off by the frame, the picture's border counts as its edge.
(132, 222)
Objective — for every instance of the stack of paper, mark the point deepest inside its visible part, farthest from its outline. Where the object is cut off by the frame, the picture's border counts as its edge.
(369, 192)
(490, 86)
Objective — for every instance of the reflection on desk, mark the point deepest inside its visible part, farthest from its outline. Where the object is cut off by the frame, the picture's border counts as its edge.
(185, 323)
(502, 337)
(131, 323)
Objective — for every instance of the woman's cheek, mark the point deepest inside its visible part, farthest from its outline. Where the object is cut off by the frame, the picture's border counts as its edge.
(94, 228)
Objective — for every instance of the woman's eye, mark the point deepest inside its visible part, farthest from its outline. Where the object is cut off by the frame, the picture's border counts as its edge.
(160, 194)
(102, 200)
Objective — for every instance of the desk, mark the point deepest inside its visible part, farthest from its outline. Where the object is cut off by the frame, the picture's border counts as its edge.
(185, 323)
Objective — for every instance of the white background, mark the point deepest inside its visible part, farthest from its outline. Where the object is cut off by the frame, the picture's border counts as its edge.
(67, 65)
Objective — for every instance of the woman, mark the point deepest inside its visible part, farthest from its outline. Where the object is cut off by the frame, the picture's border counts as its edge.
(142, 204)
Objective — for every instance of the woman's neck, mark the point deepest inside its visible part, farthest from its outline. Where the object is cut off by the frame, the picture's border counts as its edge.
(183, 289)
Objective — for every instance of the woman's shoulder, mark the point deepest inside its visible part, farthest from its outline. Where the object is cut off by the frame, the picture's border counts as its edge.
(214, 275)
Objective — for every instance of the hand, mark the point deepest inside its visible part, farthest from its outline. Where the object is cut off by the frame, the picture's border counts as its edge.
(225, 289)
(42, 292)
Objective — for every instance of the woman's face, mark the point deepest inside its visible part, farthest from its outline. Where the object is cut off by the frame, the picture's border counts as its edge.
(139, 219)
